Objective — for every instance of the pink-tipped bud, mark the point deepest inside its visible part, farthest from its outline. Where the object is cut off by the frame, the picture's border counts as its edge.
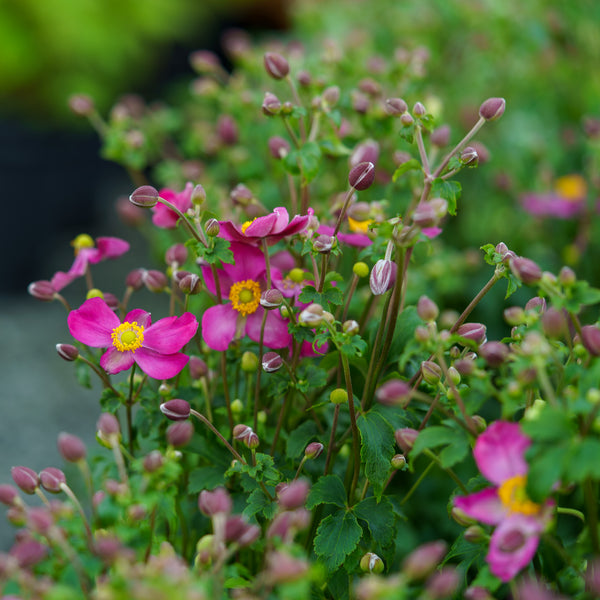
(323, 243)
(179, 434)
(443, 583)
(271, 362)
(554, 323)
(52, 479)
(145, 196)
(108, 425)
(440, 136)
(135, 279)
(405, 438)
(276, 65)
(204, 61)
(227, 130)
(28, 552)
(469, 157)
(241, 431)
(525, 270)
(476, 332)
(8, 494)
(67, 352)
(155, 281)
(153, 461)
(330, 95)
(293, 495)
(107, 546)
(212, 228)
(271, 105)
(494, 353)
(71, 448)
(395, 106)
(362, 176)
(278, 147)
(241, 195)
(422, 561)
(176, 255)
(42, 290)
(567, 277)
(313, 450)
(350, 327)
(419, 110)
(271, 299)
(198, 368)
(537, 303)
(176, 410)
(492, 109)
(427, 309)
(40, 519)
(215, 502)
(190, 283)
(311, 316)
(383, 276)
(514, 315)
(82, 105)
(252, 441)
(394, 392)
(26, 479)
(365, 152)
(590, 338)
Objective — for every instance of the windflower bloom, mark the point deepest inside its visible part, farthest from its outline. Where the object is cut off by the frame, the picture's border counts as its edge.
(164, 217)
(242, 283)
(272, 227)
(153, 346)
(357, 236)
(567, 200)
(500, 455)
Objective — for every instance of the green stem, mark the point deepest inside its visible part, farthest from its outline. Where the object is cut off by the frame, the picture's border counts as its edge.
(330, 448)
(416, 484)
(355, 433)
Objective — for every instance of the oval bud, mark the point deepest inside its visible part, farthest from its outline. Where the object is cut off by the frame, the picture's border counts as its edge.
(145, 196)
(176, 410)
(271, 362)
(525, 270)
(394, 392)
(217, 501)
(26, 479)
(276, 65)
(360, 269)
(180, 433)
(71, 448)
(383, 276)
(67, 352)
(362, 176)
(405, 438)
(395, 106)
(427, 309)
(338, 396)
(492, 109)
(313, 450)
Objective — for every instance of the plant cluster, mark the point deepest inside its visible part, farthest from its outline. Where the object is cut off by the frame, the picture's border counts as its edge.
(313, 418)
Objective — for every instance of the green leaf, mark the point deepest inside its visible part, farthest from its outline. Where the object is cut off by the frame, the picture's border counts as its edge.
(337, 536)
(258, 503)
(109, 401)
(551, 424)
(304, 161)
(328, 489)
(584, 460)
(454, 452)
(264, 469)
(82, 372)
(545, 466)
(432, 437)
(299, 438)
(410, 165)
(377, 448)
(579, 295)
(449, 191)
(205, 478)
(379, 517)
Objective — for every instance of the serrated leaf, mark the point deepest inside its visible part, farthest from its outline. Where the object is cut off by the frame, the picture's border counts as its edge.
(449, 191)
(454, 452)
(379, 517)
(579, 295)
(328, 489)
(258, 503)
(109, 401)
(545, 467)
(337, 536)
(551, 424)
(410, 165)
(205, 478)
(377, 448)
(432, 437)
(583, 460)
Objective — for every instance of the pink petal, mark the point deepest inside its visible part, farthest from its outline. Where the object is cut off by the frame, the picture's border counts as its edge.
(233, 233)
(484, 506)
(160, 366)
(297, 224)
(249, 263)
(83, 258)
(358, 240)
(513, 545)
(283, 220)
(114, 361)
(500, 452)
(283, 260)
(224, 281)
(219, 326)
(92, 323)
(171, 334)
(61, 280)
(431, 232)
(164, 217)
(111, 247)
(276, 333)
(262, 226)
(139, 316)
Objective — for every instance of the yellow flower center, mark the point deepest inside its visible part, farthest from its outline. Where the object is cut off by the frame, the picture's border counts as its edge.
(246, 225)
(127, 336)
(513, 496)
(245, 296)
(359, 226)
(83, 240)
(571, 187)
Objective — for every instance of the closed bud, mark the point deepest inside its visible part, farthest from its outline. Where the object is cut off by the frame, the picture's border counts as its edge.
(419, 110)
(443, 583)
(405, 438)
(252, 441)
(323, 243)
(506, 254)
(406, 120)
(395, 106)
(398, 461)
(567, 277)
(26, 479)
(176, 255)
(42, 290)
(480, 423)
(205, 61)
(425, 215)
(494, 353)
(338, 396)
(8, 494)
(469, 157)
(271, 105)
(514, 315)
(241, 431)
(492, 109)
(190, 283)
(440, 136)
(360, 269)
(350, 327)
(135, 279)
(271, 362)
(278, 147)
(311, 316)
(67, 352)
(276, 65)
(453, 375)
(427, 309)
(525, 270)
(371, 563)
(51, 479)
(179, 434)
(145, 196)
(227, 130)
(271, 299)
(176, 410)
(293, 495)
(313, 450)
(476, 332)
(554, 323)
(153, 461)
(537, 304)
(330, 95)
(394, 392)
(82, 105)
(40, 520)
(155, 281)
(432, 372)
(383, 276)
(198, 367)
(217, 501)
(590, 338)
(461, 517)
(362, 176)
(423, 561)
(475, 534)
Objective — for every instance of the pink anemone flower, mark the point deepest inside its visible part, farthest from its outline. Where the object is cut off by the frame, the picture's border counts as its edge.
(272, 227)
(356, 238)
(153, 346)
(88, 252)
(163, 216)
(242, 283)
(500, 455)
(566, 201)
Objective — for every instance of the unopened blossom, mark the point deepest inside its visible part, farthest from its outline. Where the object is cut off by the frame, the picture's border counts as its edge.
(242, 284)
(500, 455)
(163, 216)
(272, 227)
(154, 347)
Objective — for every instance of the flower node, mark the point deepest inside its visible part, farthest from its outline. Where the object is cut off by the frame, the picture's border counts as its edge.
(127, 336)
(245, 296)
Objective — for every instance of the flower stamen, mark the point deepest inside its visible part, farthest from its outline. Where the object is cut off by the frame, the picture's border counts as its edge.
(513, 496)
(246, 225)
(245, 296)
(127, 337)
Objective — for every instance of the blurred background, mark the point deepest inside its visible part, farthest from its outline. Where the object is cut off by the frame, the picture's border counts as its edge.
(542, 56)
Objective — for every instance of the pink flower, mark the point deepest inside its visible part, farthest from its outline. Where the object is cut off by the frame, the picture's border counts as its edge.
(272, 227)
(242, 283)
(165, 217)
(154, 347)
(87, 252)
(567, 199)
(357, 239)
(500, 455)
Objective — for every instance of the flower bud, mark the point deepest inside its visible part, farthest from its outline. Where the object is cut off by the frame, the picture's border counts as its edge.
(394, 392)
(26, 479)
(492, 109)
(42, 290)
(271, 105)
(311, 316)
(215, 502)
(427, 309)
(476, 332)
(293, 495)
(395, 106)
(590, 338)
(153, 461)
(323, 243)
(405, 438)
(362, 176)
(108, 425)
(406, 120)
(469, 157)
(204, 61)
(371, 563)
(432, 372)
(198, 367)
(179, 434)
(440, 136)
(278, 147)
(422, 561)
(241, 431)
(494, 353)
(227, 130)
(338, 396)
(304, 78)
(271, 299)
(313, 450)
(67, 352)
(8, 494)
(82, 105)
(536, 303)
(567, 277)
(350, 327)
(71, 448)
(330, 96)
(383, 276)
(155, 281)
(176, 255)
(419, 110)
(135, 279)
(176, 410)
(51, 479)
(475, 534)
(525, 270)
(145, 196)
(276, 65)
(271, 362)
(367, 151)
(398, 461)
(514, 315)
(554, 323)
(360, 269)
(442, 584)
(190, 283)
